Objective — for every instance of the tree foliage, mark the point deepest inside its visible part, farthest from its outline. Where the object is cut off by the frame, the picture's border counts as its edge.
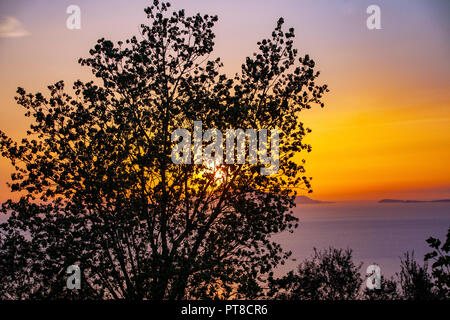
(98, 187)
(332, 274)
(329, 274)
(440, 269)
(415, 281)
(388, 290)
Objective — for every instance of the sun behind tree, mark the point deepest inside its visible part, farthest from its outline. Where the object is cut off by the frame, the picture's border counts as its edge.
(110, 200)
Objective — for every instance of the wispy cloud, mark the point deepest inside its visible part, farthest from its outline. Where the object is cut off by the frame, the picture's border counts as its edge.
(10, 27)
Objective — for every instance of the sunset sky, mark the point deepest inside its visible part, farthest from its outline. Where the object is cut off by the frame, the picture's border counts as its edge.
(385, 129)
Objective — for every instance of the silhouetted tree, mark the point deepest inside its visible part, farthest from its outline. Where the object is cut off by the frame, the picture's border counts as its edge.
(99, 188)
(414, 280)
(329, 275)
(440, 269)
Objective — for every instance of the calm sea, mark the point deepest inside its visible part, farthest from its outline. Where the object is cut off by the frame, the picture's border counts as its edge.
(377, 233)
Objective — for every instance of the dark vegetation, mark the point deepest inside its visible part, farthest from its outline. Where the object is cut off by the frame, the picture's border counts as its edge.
(98, 188)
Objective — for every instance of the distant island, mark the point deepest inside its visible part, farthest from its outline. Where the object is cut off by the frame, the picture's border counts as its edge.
(306, 200)
(412, 201)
